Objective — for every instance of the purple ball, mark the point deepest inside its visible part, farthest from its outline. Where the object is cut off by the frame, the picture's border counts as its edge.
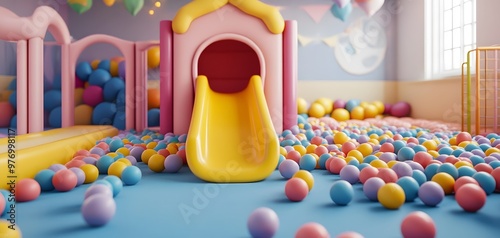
(441, 158)
(90, 160)
(121, 69)
(80, 175)
(132, 159)
(483, 140)
(350, 173)
(99, 209)
(371, 187)
(98, 151)
(98, 189)
(402, 169)
(288, 168)
(339, 103)
(263, 222)
(136, 152)
(173, 163)
(478, 152)
(415, 166)
(496, 155)
(57, 167)
(387, 156)
(431, 193)
(466, 154)
(401, 109)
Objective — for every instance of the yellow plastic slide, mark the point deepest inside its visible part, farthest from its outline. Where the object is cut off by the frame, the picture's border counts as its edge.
(231, 137)
(36, 151)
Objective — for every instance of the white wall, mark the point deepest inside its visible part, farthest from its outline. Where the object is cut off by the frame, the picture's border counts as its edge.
(487, 19)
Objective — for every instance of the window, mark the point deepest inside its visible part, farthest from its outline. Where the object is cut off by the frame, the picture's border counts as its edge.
(451, 29)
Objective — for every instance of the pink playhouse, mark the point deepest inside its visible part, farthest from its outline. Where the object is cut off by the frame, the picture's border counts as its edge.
(251, 38)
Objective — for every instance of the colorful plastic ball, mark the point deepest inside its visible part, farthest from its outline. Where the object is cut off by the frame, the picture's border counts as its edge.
(463, 136)
(111, 89)
(99, 77)
(156, 163)
(301, 106)
(339, 103)
(296, 189)
(449, 169)
(153, 98)
(464, 180)
(336, 165)
(341, 114)
(153, 57)
(307, 162)
(306, 176)
(154, 117)
(2, 204)
(446, 181)
(349, 234)
(98, 210)
(400, 109)
(116, 169)
(431, 193)
(391, 196)
(263, 222)
(402, 169)
(486, 181)
(55, 117)
(92, 95)
(116, 183)
(371, 111)
(27, 189)
(103, 163)
(57, 167)
(6, 230)
(417, 225)
(371, 187)
(350, 104)
(466, 171)
(350, 173)
(358, 113)
(115, 144)
(410, 187)
(80, 175)
(388, 175)
(496, 175)
(341, 192)
(406, 153)
(316, 110)
(83, 70)
(64, 180)
(104, 64)
(44, 178)
(131, 175)
(13, 122)
(51, 99)
(173, 163)
(146, 154)
(98, 189)
(104, 113)
(312, 230)
(366, 173)
(470, 197)
(121, 69)
(91, 173)
(288, 168)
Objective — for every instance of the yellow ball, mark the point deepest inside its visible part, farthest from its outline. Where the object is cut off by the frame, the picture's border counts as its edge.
(83, 114)
(392, 163)
(95, 63)
(124, 151)
(172, 148)
(380, 107)
(445, 180)
(370, 111)
(301, 106)
(306, 176)
(154, 57)
(379, 164)
(391, 196)
(316, 110)
(365, 149)
(340, 138)
(116, 169)
(113, 68)
(91, 173)
(310, 148)
(7, 232)
(78, 95)
(151, 145)
(358, 113)
(112, 154)
(157, 163)
(463, 163)
(125, 161)
(283, 151)
(491, 150)
(340, 114)
(301, 149)
(327, 104)
(146, 154)
(356, 154)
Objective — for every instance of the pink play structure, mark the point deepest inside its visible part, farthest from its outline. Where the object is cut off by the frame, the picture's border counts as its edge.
(229, 54)
(29, 33)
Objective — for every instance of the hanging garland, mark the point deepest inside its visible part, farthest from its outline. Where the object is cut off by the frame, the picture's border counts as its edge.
(81, 6)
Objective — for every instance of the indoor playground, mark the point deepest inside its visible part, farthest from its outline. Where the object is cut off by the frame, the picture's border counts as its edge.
(249, 118)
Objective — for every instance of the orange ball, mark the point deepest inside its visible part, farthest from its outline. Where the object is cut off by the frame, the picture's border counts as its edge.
(154, 57)
(83, 114)
(153, 98)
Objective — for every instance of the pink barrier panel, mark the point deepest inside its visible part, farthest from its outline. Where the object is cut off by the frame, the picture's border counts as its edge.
(166, 81)
(289, 74)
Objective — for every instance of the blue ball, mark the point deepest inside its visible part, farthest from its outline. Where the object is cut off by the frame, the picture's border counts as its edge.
(120, 100)
(8, 202)
(44, 178)
(51, 100)
(115, 144)
(457, 152)
(104, 113)
(322, 160)
(410, 187)
(116, 183)
(368, 159)
(476, 159)
(486, 181)
(398, 144)
(307, 162)
(449, 169)
(154, 117)
(103, 163)
(13, 122)
(56, 82)
(363, 165)
(350, 104)
(431, 170)
(131, 175)
(288, 168)
(99, 77)
(495, 164)
(55, 117)
(406, 153)
(445, 151)
(418, 148)
(419, 176)
(12, 85)
(341, 192)
(13, 99)
(111, 89)
(104, 64)
(83, 70)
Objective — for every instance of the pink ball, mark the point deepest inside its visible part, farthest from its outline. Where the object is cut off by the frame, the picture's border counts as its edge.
(64, 180)
(336, 165)
(423, 158)
(388, 175)
(418, 224)
(92, 95)
(296, 189)
(75, 163)
(463, 136)
(470, 197)
(401, 109)
(27, 190)
(387, 108)
(2, 204)
(496, 175)
(366, 173)
(339, 103)
(7, 113)
(462, 181)
(349, 234)
(312, 230)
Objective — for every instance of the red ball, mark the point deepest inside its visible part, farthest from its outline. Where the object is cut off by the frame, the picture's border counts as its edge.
(296, 189)
(336, 165)
(366, 173)
(401, 109)
(388, 175)
(293, 155)
(470, 197)
(74, 163)
(387, 147)
(64, 180)
(348, 146)
(463, 136)
(423, 158)
(27, 190)
(483, 167)
(312, 230)
(418, 224)
(496, 175)
(451, 159)
(464, 180)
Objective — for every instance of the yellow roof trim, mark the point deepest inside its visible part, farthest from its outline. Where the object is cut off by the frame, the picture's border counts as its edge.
(197, 8)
